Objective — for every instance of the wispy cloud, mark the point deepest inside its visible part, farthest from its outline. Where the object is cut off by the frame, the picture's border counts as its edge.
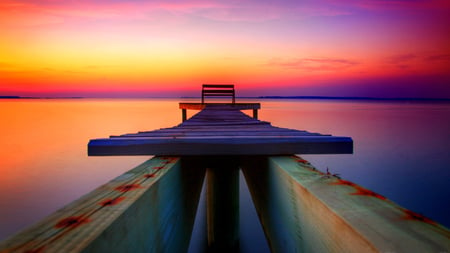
(383, 5)
(9, 67)
(257, 11)
(437, 58)
(49, 12)
(94, 67)
(401, 61)
(313, 64)
(404, 61)
(401, 58)
(221, 10)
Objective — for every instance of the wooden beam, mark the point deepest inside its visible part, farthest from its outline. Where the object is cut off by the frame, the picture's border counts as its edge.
(224, 92)
(255, 113)
(221, 145)
(304, 210)
(238, 106)
(218, 86)
(183, 115)
(150, 208)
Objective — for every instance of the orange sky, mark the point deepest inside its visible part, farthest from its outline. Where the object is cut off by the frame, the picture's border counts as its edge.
(134, 48)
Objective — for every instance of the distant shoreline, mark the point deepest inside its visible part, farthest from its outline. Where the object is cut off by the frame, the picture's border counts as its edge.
(258, 97)
(19, 97)
(341, 98)
(354, 98)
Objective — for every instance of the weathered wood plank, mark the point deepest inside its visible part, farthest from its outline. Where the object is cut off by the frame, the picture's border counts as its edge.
(238, 106)
(304, 210)
(221, 123)
(253, 145)
(151, 208)
(259, 128)
(218, 85)
(242, 129)
(218, 133)
(210, 92)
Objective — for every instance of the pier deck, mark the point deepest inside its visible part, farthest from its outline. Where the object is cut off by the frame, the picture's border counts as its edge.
(221, 129)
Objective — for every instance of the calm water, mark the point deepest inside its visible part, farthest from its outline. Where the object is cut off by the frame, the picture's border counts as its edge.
(401, 151)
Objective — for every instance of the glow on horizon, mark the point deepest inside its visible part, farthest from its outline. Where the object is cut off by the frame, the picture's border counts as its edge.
(134, 48)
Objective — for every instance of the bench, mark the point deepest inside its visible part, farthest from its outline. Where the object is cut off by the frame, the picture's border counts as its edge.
(218, 90)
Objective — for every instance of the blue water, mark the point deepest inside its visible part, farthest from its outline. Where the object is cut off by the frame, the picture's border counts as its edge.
(401, 151)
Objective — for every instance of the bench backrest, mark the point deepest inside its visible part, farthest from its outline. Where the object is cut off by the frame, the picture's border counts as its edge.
(218, 90)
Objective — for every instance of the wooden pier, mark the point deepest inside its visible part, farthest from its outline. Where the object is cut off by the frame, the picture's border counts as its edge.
(152, 207)
(221, 129)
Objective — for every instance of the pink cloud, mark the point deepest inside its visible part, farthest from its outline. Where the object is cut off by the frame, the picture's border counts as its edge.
(313, 64)
(55, 11)
(381, 5)
(437, 58)
(404, 61)
(401, 58)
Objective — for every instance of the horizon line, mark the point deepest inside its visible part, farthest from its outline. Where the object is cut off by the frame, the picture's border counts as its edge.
(242, 97)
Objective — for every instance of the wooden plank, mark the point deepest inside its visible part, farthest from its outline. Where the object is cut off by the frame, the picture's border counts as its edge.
(218, 86)
(261, 128)
(218, 133)
(305, 210)
(231, 128)
(239, 106)
(228, 129)
(214, 94)
(221, 146)
(150, 208)
(220, 123)
(226, 92)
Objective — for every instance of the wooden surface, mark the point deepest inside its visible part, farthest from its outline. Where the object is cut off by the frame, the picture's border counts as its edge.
(221, 130)
(151, 208)
(304, 210)
(218, 90)
(238, 106)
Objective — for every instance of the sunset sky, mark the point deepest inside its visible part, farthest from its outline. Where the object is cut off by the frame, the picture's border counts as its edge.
(377, 48)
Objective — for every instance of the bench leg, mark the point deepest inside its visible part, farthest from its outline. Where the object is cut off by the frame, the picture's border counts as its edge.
(183, 115)
(255, 113)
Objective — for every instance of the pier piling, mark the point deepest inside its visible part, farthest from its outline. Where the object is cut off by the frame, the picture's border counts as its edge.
(223, 204)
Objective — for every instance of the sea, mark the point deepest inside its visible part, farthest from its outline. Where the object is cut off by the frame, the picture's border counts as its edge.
(401, 151)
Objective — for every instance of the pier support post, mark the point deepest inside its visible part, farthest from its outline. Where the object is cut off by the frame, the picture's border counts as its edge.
(255, 113)
(223, 204)
(183, 115)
